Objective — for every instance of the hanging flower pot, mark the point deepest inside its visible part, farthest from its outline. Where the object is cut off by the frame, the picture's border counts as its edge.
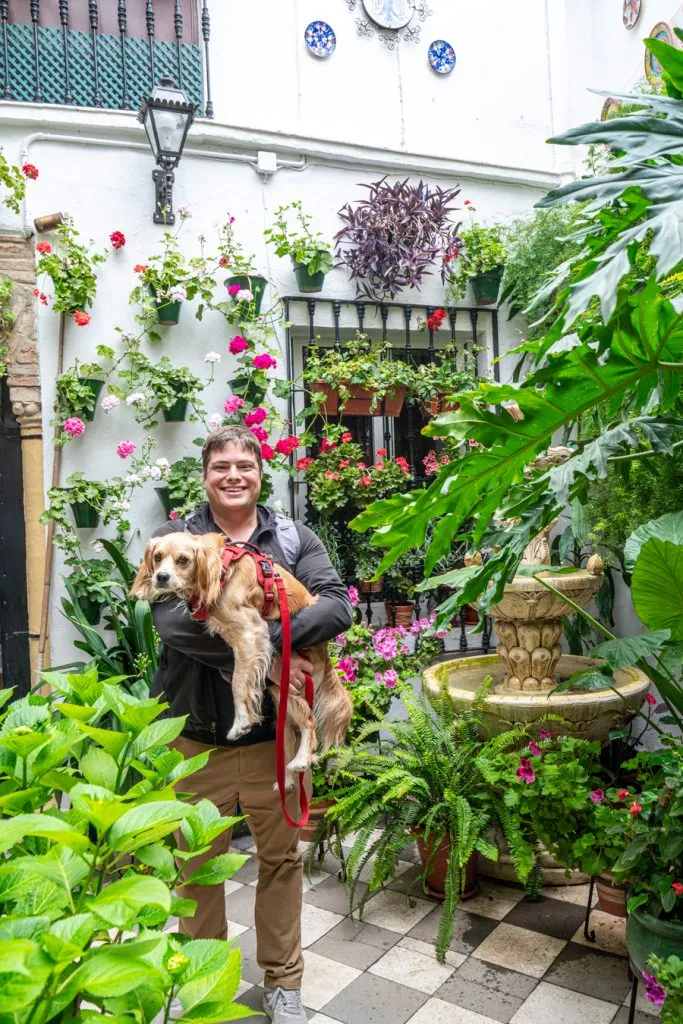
(254, 284)
(399, 614)
(360, 401)
(164, 496)
(168, 312)
(307, 282)
(486, 287)
(247, 388)
(177, 412)
(85, 516)
(92, 610)
(436, 881)
(94, 385)
(435, 406)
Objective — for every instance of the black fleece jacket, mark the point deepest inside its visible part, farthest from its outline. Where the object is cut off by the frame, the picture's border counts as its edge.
(191, 661)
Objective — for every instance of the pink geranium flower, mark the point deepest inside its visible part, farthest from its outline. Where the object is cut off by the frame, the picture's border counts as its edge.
(264, 362)
(232, 404)
(233, 289)
(125, 448)
(238, 344)
(74, 426)
(259, 433)
(267, 452)
(354, 597)
(525, 772)
(597, 796)
(535, 749)
(257, 415)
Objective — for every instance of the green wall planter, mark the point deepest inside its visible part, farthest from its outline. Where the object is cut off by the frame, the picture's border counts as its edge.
(85, 515)
(486, 287)
(256, 285)
(177, 412)
(95, 386)
(247, 389)
(168, 313)
(92, 610)
(646, 935)
(164, 496)
(307, 282)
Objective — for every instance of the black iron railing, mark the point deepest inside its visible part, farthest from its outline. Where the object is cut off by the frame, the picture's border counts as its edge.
(110, 55)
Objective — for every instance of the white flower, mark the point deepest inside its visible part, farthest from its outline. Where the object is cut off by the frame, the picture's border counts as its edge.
(163, 464)
(177, 293)
(244, 295)
(155, 472)
(98, 546)
(133, 478)
(145, 472)
(110, 402)
(212, 357)
(214, 421)
(184, 212)
(135, 397)
(128, 335)
(121, 506)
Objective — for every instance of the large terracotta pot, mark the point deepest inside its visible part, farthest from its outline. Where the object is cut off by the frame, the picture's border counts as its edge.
(315, 816)
(436, 880)
(399, 614)
(611, 897)
(646, 935)
(360, 402)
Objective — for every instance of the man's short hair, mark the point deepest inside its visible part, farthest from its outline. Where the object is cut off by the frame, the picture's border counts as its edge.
(237, 435)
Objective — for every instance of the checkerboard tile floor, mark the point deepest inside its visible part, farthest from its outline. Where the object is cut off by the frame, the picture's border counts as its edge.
(510, 961)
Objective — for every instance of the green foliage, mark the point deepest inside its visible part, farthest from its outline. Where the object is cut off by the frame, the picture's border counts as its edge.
(430, 780)
(74, 397)
(168, 270)
(484, 249)
(440, 377)
(186, 484)
(361, 363)
(14, 182)
(669, 975)
(71, 269)
(91, 867)
(338, 478)
(6, 320)
(306, 248)
(159, 384)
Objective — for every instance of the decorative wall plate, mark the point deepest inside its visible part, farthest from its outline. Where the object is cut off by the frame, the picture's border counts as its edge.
(320, 39)
(394, 14)
(653, 69)
(631, 12)
(441, 57)
(609, 108)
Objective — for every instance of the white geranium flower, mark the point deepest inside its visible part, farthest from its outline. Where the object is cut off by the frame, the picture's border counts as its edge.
(110, 402)
(177, 293)
(214, 421)
(184, 212)
(163, 464)
(212, 357)
(121, 506)
(244, 295)
(135, 398)
(128, 335)
(155, 472)
(145, 472)
(133, 478)
(98, 546)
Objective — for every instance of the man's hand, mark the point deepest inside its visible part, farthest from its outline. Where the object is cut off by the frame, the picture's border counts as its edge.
(299, 667)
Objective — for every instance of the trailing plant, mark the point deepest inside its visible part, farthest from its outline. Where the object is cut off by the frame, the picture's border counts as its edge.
(442, 377)
(71, 269)
(358, 363)
(484, 248)
(154, 386)
(168, 277)
(391, 239)
(429, 780)
(6, 321)
(13, 181)
(338, 477)
(91, 866)
(185, 485)
(74, 397)
(664, 987)
(306, 248)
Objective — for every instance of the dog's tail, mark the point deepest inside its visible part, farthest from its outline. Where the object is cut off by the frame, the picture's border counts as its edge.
(333, 709)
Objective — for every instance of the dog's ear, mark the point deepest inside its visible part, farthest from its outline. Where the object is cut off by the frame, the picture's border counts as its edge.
(142, 584)
(209, 564)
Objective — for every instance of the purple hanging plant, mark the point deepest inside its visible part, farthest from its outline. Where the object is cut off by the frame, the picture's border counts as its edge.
(391, 239)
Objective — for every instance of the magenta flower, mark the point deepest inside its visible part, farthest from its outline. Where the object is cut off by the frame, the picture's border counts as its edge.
(256, 416)
(525, 772)
(546, 734)
(238, 344)
(259, 433)
(597, 796)
(390, 678)
(233, 289)
(125, 448)
(535, 749)
(74, 427)
(264, 362)
(232, 404)
(173, 514)
(654, 993)
(354, 597)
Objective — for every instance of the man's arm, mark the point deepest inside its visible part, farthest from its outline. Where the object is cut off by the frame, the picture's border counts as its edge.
(331, 614)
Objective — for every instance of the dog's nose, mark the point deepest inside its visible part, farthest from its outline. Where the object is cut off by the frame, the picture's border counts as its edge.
(162, 578)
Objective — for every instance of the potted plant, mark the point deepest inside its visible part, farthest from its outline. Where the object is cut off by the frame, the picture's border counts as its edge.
(435, 382)
(184, 489)
(78, 389)
(428, 780)
(401, 579)
(158, 386)
(391, 239)
(167, 280)
(360, 379)
(85, 498)
(481, 262)
(88, 585)
(664, 987)
(243, 277)
(71, 269)
(310, 254)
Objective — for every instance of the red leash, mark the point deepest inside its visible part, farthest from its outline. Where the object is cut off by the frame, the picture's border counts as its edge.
(268, 579)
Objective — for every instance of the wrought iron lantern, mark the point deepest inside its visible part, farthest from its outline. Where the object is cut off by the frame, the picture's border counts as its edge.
(167, 115)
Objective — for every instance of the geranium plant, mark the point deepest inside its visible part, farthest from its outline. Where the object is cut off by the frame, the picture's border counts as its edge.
(155, 386)
(484, 249)
(168, 277)
(361, 364)
(307, 248)
(70, 265)
(432, 382)
(664, 987)
(14, 181)
(391, 239)
(338, 477)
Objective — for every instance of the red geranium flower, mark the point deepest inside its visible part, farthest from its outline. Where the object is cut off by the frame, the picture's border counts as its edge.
(81, 318)
(635, 809)
(347, 436)
(117, 239)
(140, 268)
(30, 171)
(267, 452)
(381, 451)
(623, 794)
(43, 248)
(650, 698)
(677, 888)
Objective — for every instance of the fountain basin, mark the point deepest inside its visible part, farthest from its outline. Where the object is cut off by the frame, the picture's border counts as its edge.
(589, 715)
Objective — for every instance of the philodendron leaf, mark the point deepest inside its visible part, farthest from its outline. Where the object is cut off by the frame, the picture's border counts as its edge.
(622, 652)
(589, 679)
(120, 902)
(657, 586)
(218, 869)
(667, 527)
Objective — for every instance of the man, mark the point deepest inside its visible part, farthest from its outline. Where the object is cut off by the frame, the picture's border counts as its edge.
(189, 678)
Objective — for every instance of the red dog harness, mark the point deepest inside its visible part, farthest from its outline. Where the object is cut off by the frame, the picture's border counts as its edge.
(268, 579)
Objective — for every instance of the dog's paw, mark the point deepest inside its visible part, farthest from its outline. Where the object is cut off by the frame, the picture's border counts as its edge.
(240, 727)
(298, 764)
(290, 781)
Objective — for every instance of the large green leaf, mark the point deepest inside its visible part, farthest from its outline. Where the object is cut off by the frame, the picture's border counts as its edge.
(667, 527)
(623, 652)
(99, 767)
(119, 903)
(145, 824)
(14, 830)
(158, 734)
(657, 586)
(208, 996)
(218, 869)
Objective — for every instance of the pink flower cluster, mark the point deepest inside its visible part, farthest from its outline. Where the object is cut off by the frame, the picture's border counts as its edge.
(74, 426)
(232, 404)
(233, 289)
(525, 772)
(390, 642)
(354, 598)
(432, 464)
(255, 416)
(264, 362)
(287, 445)
(259, 433)
(389, 678)
(238, 344)
(348, 669)
(125, 448)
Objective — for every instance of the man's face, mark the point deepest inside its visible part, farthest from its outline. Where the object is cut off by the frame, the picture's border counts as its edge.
(233, 479)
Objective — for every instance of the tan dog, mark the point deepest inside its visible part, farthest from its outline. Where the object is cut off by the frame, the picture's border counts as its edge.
(190, 566)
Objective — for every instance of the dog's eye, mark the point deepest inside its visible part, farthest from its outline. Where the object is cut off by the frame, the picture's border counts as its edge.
(182, 560)
(157, 558)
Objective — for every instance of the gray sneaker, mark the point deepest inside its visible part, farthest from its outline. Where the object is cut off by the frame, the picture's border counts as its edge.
(283, 1006)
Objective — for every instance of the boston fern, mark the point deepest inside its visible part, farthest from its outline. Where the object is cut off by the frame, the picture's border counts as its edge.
(429, 781)
(90, 868)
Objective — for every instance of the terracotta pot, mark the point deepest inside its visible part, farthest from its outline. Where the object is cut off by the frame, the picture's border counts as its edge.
(370, 586)
(471, 615)
(316, 815)
(399, 614)
(611, 897)
(436, 881)
(437, 405)
(360, 402)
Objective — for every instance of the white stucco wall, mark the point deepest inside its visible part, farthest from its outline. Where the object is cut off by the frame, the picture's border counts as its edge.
(364, 112)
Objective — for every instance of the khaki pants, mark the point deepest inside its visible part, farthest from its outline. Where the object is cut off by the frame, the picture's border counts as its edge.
(247, 774)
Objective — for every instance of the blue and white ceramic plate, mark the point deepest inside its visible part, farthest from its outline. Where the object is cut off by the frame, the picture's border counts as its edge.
(441, 57)
(320, 39)
(653, 69)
